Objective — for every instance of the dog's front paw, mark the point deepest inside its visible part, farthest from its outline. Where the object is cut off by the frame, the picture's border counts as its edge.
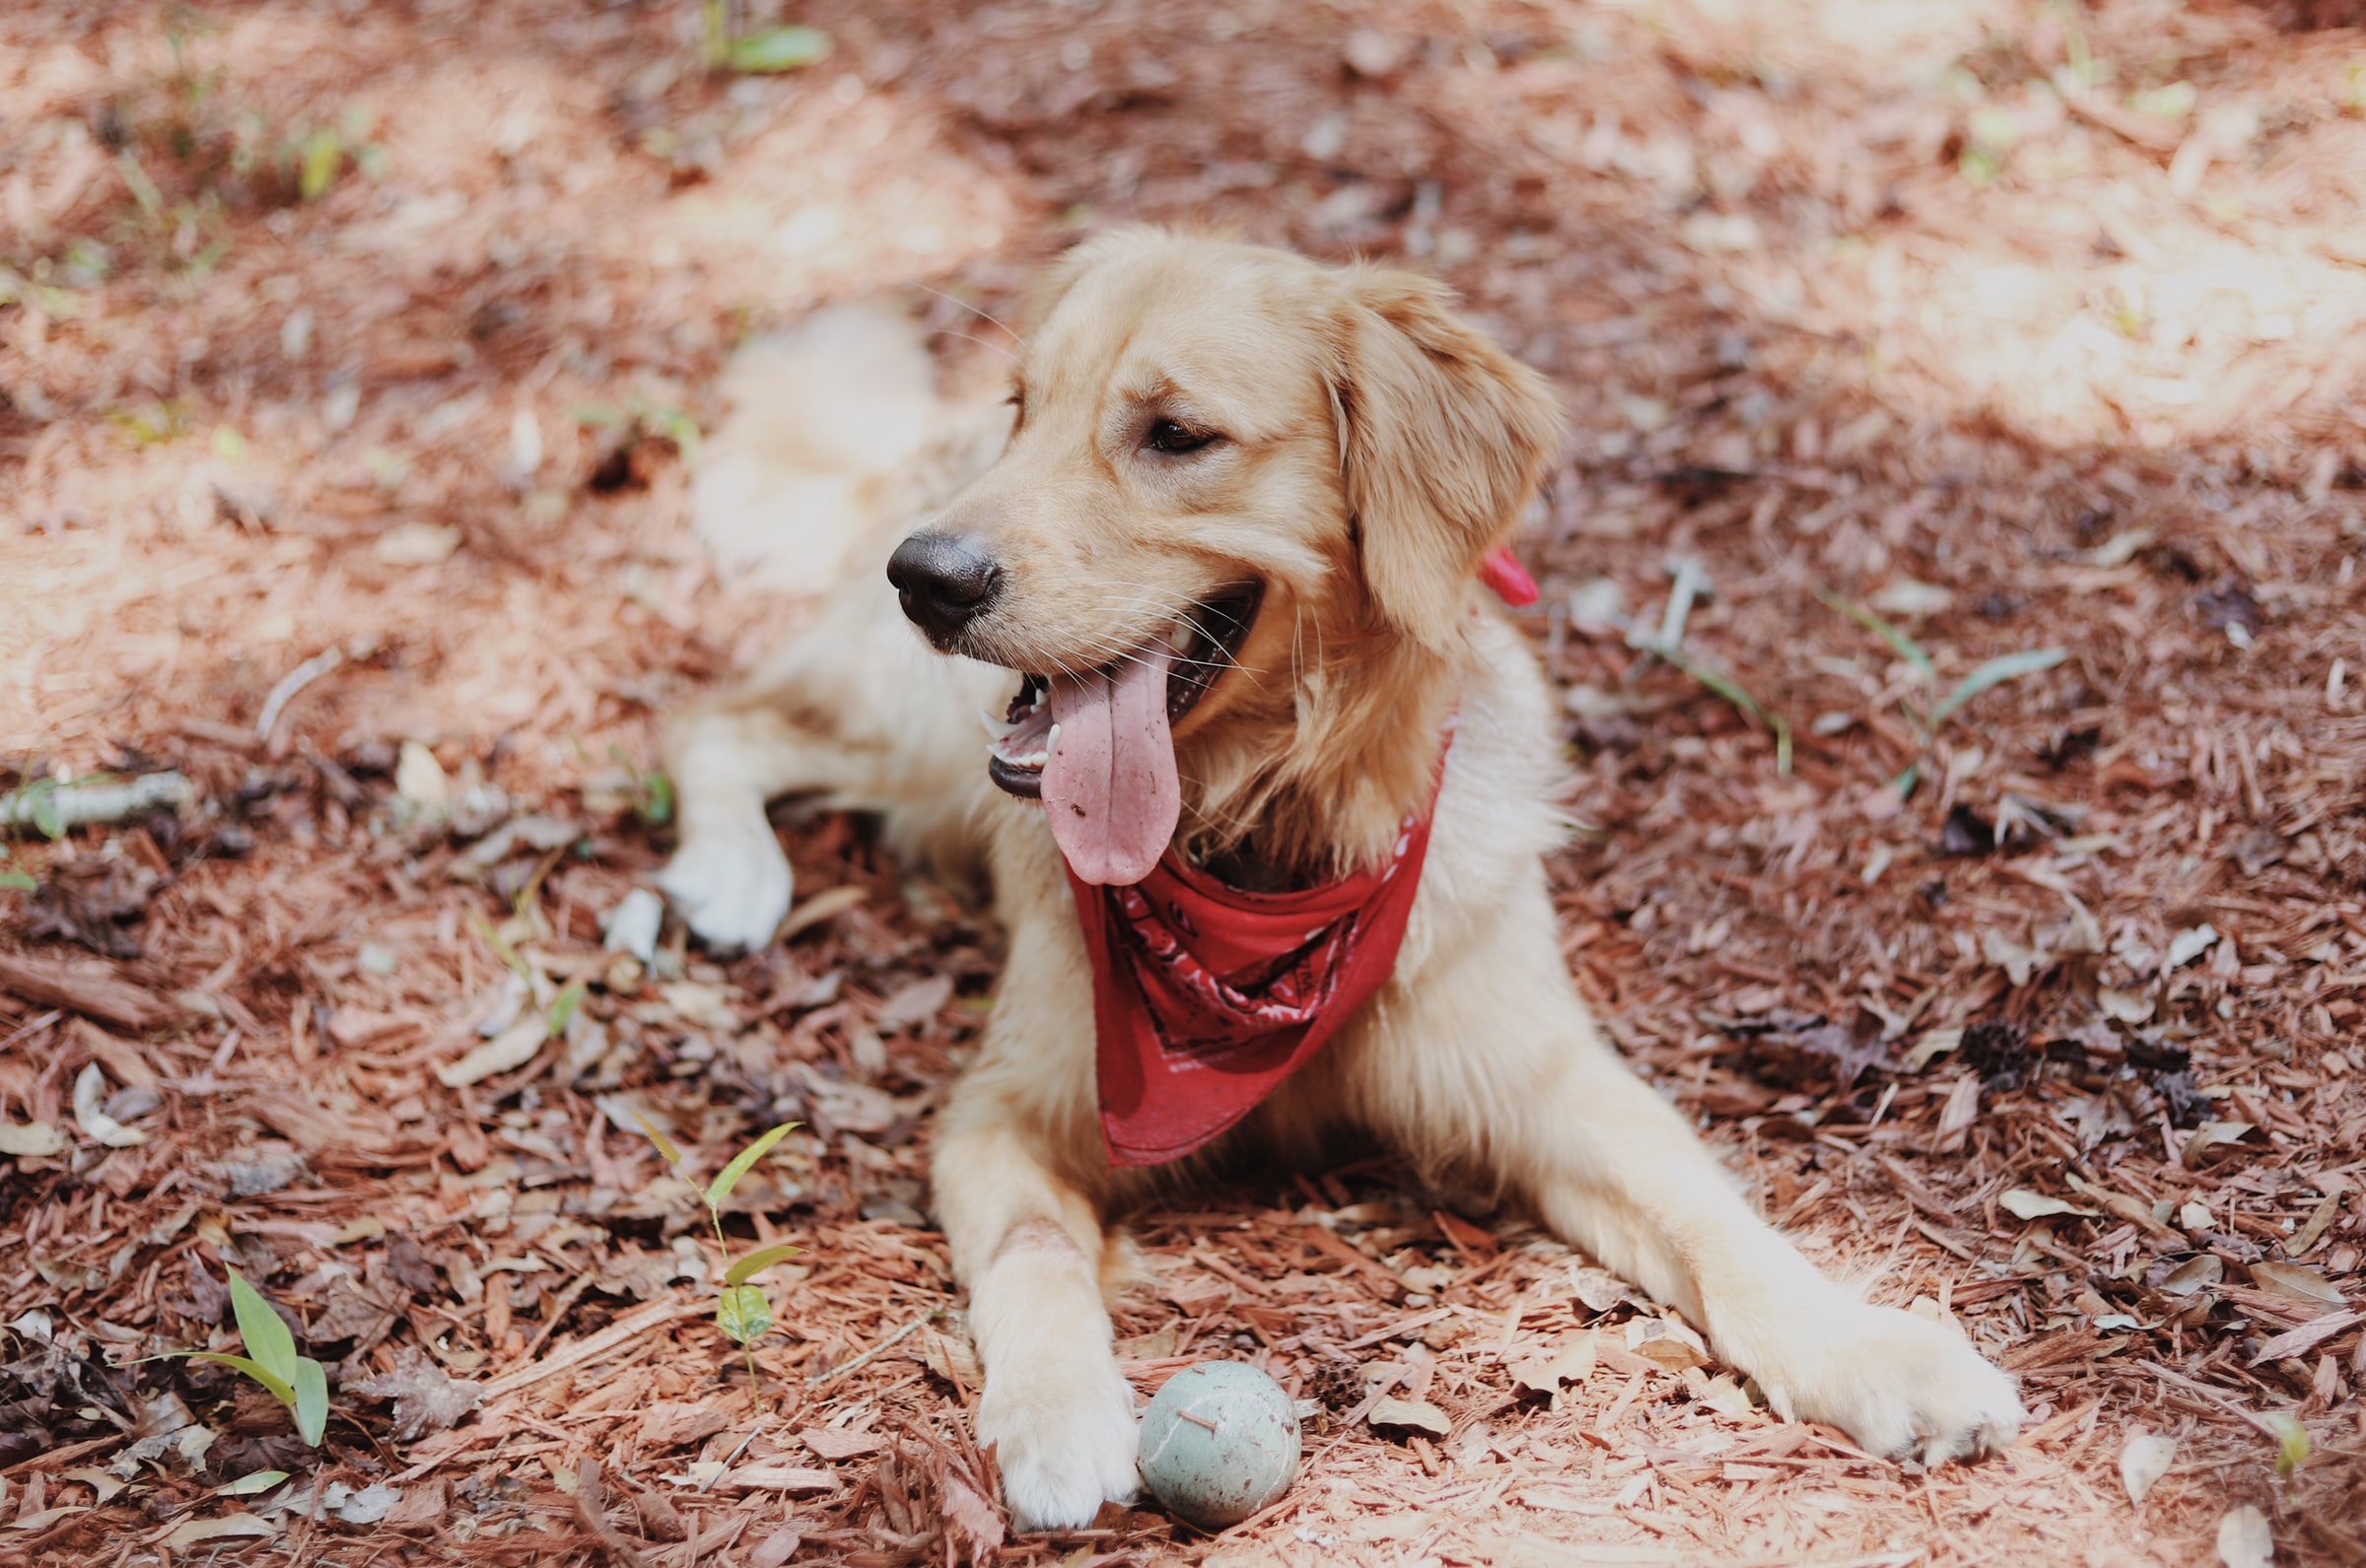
(731, 888)
(1064, 1434)
(1900, 1385)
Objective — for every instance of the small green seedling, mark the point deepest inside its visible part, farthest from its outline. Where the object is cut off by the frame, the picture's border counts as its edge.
(742, 1312)
(2291, 1443)
(294, 1381)
(1930, 720)
(724, 46)
(1666, 643)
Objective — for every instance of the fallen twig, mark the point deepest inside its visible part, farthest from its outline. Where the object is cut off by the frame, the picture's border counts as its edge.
(874, 1350)
(292, 683)
(655, 1315)
(54, 807)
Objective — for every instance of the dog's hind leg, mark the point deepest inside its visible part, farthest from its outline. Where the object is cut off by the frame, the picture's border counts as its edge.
(854, 708)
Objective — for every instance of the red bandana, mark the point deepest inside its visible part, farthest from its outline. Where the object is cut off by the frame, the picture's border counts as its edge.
(1205, 997)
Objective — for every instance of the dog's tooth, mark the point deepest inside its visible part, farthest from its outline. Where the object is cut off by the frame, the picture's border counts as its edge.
(1187, 641)
(996, 728)
(1051, 742)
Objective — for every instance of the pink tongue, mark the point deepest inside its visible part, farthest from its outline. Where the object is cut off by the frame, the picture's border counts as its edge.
(1109, 789)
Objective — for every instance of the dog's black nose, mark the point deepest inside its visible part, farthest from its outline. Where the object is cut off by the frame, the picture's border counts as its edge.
(944, 582)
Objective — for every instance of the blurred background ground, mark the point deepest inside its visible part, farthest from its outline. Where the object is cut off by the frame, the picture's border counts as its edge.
(356, 363)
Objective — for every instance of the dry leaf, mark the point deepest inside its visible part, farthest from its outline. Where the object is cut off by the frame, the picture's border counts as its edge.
(90, 1092)
(1598, 1289)
(2018, 963)
(106, 1484)
(420, 779)
(2294, 1282)
(1410, 1412)
(2022, 1203)
(1961, 1106)
(1725, 1396)
(367, 1506)
(1572, 1362)
(2319, 1221)
(415, 544)
(2243, 1539)
(915, 1003)
(1670, 1354)
(427, 1398)
(776, 1548)
(707, 1006)
(2295, 1342)
(30, 1140)
(2129, 1006)
(191, 1532)
(1153, 1346)
(952, 1360)
(2195, 1274)
(2210, 1134)
(2143, 1460)
(512, 1048)
(2188, 946)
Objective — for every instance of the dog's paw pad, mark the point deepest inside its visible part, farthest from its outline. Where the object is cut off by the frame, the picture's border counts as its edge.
(734, 892)
(1065, 1442)
(1903, 1387)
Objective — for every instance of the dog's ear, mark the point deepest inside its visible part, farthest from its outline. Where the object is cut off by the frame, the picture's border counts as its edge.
(1442, 438)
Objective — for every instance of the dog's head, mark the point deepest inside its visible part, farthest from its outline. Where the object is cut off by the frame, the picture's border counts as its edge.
(1243, 503)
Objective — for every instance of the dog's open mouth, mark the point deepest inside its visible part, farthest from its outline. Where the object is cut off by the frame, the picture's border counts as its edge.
(1097, 748)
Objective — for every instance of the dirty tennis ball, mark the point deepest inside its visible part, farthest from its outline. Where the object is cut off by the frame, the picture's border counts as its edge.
(1219, 1442)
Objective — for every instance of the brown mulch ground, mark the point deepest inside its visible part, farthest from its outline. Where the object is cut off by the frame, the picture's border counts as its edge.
(364, 507)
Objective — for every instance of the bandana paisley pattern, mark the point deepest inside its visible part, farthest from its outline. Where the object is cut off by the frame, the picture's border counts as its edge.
(1207, 996)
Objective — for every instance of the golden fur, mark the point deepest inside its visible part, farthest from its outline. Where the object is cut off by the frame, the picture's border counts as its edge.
(1375, 446)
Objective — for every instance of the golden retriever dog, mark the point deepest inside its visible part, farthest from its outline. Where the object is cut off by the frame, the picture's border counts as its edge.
(1224, 582)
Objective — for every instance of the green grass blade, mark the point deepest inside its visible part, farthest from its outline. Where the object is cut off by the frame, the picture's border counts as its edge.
(756, 1262)
(1906, 648)
(742, 1313)
(277, 1386)
(562, 1008)
(729, 1177)
(1995, 672)
(1725, 686)
(778, 49)
(312, 1400)
(266, 1335)
(249, 1485)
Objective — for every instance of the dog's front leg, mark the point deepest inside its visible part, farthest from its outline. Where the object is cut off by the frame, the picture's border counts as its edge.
(855, 710)
(1614, 1169)
(1029, 1244)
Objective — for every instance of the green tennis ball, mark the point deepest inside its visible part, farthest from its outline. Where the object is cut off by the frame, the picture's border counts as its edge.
(1218, 1443)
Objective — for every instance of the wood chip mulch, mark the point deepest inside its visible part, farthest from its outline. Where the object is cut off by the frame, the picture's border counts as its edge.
(355, 357)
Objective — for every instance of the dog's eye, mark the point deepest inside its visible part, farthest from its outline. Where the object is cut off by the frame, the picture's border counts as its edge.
(1174, 440)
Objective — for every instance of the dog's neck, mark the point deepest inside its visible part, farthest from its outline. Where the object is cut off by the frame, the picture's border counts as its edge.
(1313, 774)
